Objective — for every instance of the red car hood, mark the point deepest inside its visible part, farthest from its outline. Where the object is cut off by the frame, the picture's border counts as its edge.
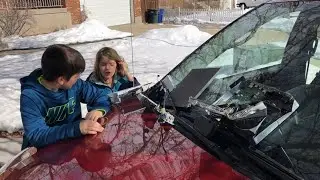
(132, 146)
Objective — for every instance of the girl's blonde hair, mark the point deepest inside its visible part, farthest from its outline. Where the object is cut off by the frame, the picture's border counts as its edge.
(110, 54)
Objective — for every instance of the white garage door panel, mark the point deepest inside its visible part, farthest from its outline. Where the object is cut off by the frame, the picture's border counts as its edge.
(110, 12)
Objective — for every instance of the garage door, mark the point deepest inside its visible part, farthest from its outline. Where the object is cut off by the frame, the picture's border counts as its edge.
(110, 12)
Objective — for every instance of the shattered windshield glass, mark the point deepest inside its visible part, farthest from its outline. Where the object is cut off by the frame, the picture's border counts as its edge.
(265, 81)
(295, 144)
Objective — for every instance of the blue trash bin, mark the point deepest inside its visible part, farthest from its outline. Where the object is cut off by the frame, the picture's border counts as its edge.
(160, 15)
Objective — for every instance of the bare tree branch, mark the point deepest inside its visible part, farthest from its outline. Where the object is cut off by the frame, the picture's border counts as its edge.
(14, 20)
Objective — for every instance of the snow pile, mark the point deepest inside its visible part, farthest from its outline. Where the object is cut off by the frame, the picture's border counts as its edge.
(195, 21)
(189, 16)
(188, 35)
(90, 30)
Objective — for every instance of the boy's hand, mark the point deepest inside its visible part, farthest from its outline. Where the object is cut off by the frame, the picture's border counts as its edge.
(94, 115)
(90, 127)
(103, 121)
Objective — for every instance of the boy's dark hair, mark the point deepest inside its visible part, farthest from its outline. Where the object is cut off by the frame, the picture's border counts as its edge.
(61, 60)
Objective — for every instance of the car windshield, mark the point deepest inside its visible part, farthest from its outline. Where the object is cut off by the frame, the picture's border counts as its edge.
(257, 40)
(277, 46)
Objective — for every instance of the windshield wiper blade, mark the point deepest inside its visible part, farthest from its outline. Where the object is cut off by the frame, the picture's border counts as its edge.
(271, 165)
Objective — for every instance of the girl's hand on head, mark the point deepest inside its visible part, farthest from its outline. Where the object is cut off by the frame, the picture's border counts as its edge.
(123, 68)
(94, 115)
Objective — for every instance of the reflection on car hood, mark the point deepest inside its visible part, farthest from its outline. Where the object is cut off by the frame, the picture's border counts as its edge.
(132, 146)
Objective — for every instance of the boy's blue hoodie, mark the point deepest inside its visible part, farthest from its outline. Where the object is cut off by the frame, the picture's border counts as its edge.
(49, 116)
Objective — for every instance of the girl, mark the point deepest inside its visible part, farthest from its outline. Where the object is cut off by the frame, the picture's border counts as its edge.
(111, 71)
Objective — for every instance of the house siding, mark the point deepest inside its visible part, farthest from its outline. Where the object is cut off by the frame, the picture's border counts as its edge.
(110, 12)
(73, 6)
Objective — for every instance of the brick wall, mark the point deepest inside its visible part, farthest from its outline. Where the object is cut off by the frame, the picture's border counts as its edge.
(73, 6)
(137, 8)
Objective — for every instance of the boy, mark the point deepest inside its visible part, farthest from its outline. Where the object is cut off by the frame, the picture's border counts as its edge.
(50, 99)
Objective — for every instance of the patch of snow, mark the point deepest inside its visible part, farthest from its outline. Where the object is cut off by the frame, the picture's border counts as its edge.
(185, 35)
(8, 148)
(190, 16)
(88, 31)
(10, 106)
(183, 20)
